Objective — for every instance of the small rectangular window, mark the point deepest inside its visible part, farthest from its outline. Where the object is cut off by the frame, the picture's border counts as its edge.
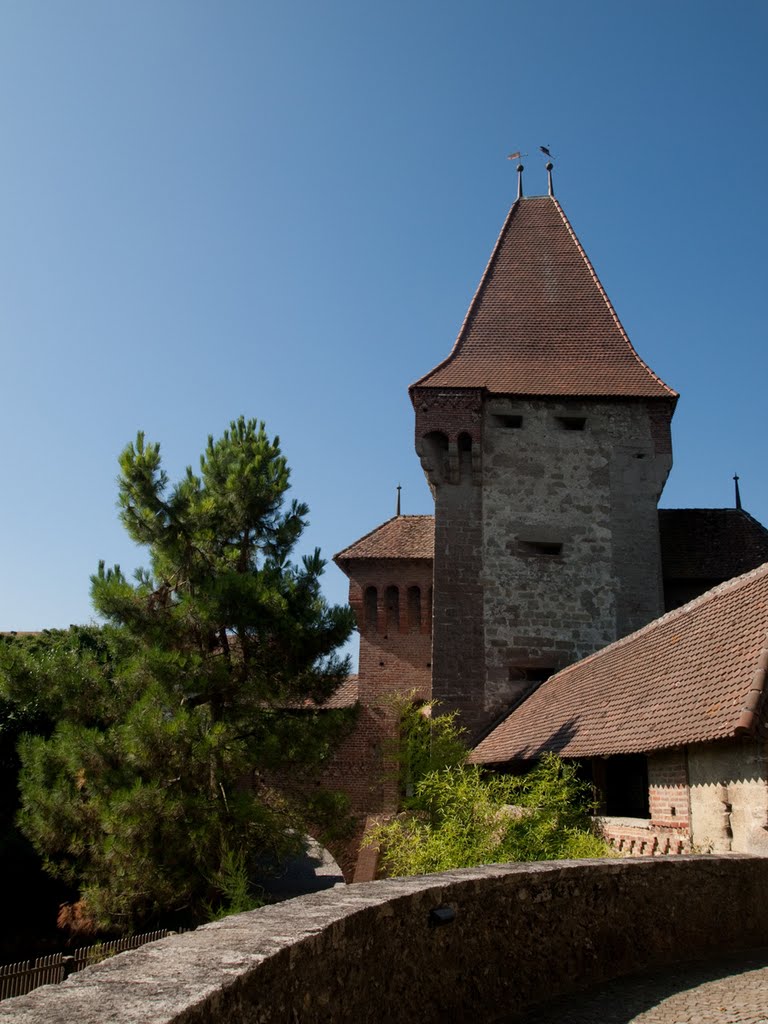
(530, 673)
(540, 547)
(572, 422)
(509, 422)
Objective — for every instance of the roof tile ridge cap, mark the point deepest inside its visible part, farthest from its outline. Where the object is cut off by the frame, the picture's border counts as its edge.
(748, 719)
(675, 613)
(475, 299)
(703, 508)
(609, 304)
(365, 536)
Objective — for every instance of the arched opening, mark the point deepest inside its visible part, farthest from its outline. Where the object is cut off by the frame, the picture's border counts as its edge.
(393, 608)
(371, 609)
(414, 609)
(435, 448)
(429, 609)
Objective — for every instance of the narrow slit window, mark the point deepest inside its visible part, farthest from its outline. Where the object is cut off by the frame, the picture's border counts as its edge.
(371, 609)
(572, 422)
(393, 608)
(414, 608)
(530, 673)
(541, 547)
(509, 422)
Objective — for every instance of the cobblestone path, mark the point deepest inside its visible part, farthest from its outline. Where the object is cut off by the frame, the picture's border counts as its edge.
(730, 990)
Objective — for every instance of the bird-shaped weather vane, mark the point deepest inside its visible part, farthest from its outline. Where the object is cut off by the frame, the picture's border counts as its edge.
(517, 155)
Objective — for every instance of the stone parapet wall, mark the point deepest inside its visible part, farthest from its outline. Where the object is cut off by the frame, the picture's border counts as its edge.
(504, 938)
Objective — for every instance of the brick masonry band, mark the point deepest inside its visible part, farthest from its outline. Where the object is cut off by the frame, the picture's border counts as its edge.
(480, 943)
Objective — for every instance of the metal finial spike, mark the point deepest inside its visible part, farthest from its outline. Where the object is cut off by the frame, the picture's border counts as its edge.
(549, 177)
(520, 170)
(736, 484)
(399, 488)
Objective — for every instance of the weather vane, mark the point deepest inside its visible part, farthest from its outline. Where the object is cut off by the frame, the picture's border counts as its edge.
(518, 155)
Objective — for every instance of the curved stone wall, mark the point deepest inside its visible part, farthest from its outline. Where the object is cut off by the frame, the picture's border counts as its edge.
(477, 944)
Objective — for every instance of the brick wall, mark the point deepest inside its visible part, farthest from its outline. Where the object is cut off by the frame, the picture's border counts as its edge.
(449, 444)
(668, 791)
(392, 601)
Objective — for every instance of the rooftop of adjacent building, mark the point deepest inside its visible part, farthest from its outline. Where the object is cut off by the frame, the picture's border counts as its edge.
(696, 674)
(696, 543)
(541, 323)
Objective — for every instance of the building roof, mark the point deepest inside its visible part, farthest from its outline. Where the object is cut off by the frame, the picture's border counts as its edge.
(411, 537)
(710, 543)
(344, 696)
(696, 674)
(540, 322)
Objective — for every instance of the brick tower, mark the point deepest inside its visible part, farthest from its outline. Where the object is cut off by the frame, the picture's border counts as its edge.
(546, 443)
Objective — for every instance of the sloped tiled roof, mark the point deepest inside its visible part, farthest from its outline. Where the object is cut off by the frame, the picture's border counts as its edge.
(696, 674)
(710, 543)
(399, 537)
(540, 322)
(344, 696)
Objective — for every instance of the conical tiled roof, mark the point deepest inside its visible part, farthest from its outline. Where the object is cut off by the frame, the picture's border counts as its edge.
(540, 322)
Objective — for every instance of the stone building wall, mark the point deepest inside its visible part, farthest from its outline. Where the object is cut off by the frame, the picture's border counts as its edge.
(571, 557)
(546, 535)
(729, 796)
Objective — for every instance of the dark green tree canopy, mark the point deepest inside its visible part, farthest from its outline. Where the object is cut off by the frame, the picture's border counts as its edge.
(144, 788)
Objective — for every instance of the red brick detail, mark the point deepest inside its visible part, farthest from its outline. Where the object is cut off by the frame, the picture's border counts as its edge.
(660, 415)
(394, 658)
(645, 842)
(451, 412)
(668, 792)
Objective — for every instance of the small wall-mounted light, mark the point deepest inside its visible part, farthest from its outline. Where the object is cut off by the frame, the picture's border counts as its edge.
(441, 915)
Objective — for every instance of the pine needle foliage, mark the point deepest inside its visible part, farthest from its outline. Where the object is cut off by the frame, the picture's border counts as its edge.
(141, 792)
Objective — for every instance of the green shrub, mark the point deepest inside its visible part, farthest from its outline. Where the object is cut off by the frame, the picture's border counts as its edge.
(460, 817)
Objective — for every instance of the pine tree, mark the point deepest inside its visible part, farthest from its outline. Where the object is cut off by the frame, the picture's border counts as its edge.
(143, 795)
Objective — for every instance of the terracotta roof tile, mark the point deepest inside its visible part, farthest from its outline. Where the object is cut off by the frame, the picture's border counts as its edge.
(540, 322)
(710, 543)
(344, 696)
(400, 537)
(696, 674)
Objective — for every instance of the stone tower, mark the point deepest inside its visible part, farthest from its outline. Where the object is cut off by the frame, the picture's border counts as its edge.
(546, 443)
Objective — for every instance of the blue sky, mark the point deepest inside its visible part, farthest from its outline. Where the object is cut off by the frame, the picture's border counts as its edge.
(209, 209)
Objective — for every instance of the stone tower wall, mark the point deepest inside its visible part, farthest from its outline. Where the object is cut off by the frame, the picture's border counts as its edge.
(546, 536)
(571, 556)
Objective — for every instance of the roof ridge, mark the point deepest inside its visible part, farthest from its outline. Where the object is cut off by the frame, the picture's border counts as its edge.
(475, 298)
(417, 516)
(675, 613)
(364, 537)
(609, 304)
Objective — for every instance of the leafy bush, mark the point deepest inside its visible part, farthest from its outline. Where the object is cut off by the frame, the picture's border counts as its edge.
(461, 818)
